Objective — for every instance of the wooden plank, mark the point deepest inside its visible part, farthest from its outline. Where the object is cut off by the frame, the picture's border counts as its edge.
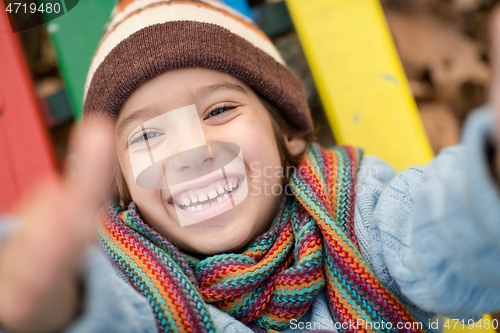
(75, 36)
(240, 5)
(362, 85)
(25, 150)
(360, 79)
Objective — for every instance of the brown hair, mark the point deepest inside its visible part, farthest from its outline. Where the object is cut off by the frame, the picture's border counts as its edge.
(281, 128)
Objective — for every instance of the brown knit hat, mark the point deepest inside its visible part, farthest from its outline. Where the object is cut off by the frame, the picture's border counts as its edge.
(145, 38)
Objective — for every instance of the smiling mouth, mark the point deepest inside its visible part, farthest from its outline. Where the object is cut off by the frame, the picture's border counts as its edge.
(199, 199)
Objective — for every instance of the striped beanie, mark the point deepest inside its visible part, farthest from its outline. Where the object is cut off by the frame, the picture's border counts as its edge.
(145, 38)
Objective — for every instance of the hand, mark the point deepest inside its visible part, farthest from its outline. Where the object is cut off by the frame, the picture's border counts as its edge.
(40, 263)
(495, 84)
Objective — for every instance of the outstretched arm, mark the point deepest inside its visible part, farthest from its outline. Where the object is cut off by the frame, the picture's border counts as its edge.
(42, 258)
(432, 233)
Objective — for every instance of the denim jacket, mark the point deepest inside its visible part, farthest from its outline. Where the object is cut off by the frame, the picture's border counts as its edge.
(430, 233)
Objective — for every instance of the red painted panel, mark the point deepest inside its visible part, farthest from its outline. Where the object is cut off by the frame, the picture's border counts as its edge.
(25, 151)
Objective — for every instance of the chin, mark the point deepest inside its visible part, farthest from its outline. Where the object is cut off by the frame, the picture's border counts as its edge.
(223, 241)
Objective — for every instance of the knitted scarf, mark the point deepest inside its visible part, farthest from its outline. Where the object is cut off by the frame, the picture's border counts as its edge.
(311, 243)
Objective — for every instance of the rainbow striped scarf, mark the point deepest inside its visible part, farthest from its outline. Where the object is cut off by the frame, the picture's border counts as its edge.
(310, 244)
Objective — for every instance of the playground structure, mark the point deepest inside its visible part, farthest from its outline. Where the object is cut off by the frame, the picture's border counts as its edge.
(366, 99)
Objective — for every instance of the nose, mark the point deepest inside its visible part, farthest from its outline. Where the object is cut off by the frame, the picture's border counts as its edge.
(194, 158)
(189, 164)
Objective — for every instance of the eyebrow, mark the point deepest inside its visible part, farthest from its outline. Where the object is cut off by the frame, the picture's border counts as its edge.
(150, 111)
(206, 90)
(145, 113)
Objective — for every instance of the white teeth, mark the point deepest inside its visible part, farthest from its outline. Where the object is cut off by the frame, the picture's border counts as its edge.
(216, 193)
(205, 206)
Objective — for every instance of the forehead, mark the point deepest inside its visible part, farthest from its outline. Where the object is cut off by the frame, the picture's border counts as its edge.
(176, 86)
(176, 89)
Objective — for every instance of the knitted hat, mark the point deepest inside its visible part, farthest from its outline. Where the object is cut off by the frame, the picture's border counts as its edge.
(145, 38)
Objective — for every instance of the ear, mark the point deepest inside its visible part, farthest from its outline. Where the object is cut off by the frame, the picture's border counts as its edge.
(295, 145)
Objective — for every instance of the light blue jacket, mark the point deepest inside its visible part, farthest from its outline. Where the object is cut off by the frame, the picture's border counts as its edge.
(430, 233)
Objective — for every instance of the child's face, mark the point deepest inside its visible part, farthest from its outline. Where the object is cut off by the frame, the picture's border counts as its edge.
(229, 111)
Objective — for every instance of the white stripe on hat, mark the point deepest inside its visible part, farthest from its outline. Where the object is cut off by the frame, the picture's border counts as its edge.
(136, 5)
(171, 12)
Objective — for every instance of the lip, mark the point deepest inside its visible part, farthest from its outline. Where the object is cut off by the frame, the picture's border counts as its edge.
(214, 210)
(188, 217)
(201, 182)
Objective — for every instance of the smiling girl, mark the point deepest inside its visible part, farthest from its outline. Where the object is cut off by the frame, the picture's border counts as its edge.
(195, 105)
(229, 111)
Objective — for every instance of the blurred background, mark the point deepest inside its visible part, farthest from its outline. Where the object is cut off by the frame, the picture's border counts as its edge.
(442, 46)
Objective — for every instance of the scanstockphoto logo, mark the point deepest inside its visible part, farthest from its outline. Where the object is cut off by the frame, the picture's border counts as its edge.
(25, 15)
(263, 176)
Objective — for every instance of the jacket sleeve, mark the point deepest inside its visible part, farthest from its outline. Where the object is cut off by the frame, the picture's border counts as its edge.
(432, 233)
(109, 304)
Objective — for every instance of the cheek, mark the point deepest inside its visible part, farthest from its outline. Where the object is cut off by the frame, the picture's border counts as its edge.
(151, 207)
(262, 158)
(254, 134)
(149, 202)
(142, 197)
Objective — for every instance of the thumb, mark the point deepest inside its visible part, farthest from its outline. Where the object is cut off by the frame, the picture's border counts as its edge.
(494, 91)
(40, 261)
(88, 184)
(60, 216)
(91, 161)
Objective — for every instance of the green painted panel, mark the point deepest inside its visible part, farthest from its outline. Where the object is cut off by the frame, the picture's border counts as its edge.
(75, 36)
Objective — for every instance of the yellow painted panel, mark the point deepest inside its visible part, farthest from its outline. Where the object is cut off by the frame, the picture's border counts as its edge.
(486, 325)
(360, 79)
(363, 88)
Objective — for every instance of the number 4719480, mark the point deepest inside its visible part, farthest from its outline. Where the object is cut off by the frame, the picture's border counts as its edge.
(44, 7)
(486, 323)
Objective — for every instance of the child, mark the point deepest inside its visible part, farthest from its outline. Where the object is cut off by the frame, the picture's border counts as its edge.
(309, 257)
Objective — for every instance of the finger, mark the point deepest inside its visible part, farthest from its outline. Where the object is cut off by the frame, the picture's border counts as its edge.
(58, 221)
(495, 47)
(60, 216)
(89, 185)
(494, 93)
